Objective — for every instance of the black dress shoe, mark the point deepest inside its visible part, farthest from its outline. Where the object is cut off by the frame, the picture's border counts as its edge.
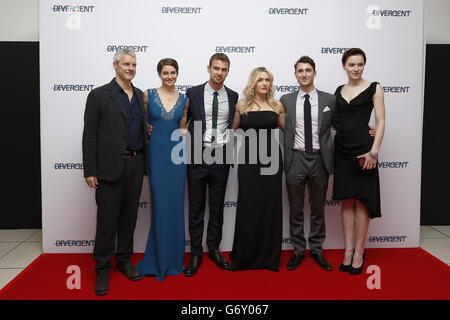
(219, 259)
(192, 267)
(356, 271)
(321, 261)
(129, 271)
(295, 261)
(102, 284)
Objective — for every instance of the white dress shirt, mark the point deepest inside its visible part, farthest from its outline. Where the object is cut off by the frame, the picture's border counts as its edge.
(300, 124)
(222, 117)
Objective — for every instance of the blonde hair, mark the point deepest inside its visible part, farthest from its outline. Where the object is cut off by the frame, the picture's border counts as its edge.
(249, 91)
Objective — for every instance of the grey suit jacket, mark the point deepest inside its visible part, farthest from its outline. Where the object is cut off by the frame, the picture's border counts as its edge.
(289, 102)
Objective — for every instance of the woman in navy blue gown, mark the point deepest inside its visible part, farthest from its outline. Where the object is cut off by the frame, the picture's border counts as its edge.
(167, 112)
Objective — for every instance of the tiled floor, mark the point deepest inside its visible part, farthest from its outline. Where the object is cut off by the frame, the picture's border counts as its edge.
(18, 248)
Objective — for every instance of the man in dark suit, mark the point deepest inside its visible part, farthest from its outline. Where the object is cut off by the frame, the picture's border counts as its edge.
(114, 160)
(308, 160)
(210, 116)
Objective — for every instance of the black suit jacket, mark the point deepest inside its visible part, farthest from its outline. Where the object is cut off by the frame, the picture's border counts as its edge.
(105, 132)
(196, 111)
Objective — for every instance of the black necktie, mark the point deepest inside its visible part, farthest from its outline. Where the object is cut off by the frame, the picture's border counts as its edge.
(307, 122)
(215, 112)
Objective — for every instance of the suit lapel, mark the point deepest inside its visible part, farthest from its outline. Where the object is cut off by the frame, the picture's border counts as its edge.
(293, 104)
(201, 103)
(230, 109)
(321, 107)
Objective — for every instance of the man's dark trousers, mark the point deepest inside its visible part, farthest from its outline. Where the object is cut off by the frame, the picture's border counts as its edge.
(215, 177)
(117, 208)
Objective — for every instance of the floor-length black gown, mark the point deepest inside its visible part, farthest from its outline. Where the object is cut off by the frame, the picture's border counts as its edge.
(258, 229)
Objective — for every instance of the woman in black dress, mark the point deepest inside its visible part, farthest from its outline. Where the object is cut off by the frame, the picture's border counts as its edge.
(258, 228)
(356, 180)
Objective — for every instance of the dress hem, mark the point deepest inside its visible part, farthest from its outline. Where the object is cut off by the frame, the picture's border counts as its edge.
(371, 215)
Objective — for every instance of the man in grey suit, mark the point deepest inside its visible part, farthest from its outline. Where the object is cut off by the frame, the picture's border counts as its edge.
(308, 160)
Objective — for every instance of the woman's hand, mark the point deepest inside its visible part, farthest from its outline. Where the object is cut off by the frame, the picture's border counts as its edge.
(367, 161)
(149, 129)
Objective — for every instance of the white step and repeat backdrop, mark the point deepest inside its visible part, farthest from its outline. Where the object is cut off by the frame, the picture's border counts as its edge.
(78, 40)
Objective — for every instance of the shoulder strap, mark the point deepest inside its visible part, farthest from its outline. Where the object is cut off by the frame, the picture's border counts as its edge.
(373, 88)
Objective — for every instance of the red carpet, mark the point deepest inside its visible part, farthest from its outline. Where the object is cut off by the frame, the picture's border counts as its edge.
(405, 274)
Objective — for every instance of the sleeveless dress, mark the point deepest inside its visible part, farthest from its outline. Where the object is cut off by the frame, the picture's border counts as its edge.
(352, 139)
(164, 254)
(258, 228)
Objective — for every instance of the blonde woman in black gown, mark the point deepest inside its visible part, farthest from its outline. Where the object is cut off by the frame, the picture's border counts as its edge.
(258, 228)
(356, 180)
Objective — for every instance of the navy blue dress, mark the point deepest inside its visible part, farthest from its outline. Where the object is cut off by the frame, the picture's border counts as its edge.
(164, 253)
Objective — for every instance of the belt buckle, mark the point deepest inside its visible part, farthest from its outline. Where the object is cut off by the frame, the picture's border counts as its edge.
(130, 154)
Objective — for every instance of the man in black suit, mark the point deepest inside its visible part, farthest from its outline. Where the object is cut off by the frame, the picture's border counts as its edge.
(114, 160)
(211, 112)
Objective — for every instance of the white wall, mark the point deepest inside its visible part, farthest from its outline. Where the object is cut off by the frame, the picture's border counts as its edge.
(437, 23)
(19, 21)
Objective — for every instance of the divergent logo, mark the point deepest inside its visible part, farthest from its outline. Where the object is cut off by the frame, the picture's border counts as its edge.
(230, 204)
(134, 48)
(387, 238)
(73, 87)
(329, 50)
(74, 243)
(396, 89)
(69, 9)
(181, 10)
(232, 49)
(183, 87)
(393, 165)
(284, 88)
(68, 166)
(288, 11)
(391, 13)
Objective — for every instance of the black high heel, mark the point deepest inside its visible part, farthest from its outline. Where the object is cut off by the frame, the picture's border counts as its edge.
(356, 271)
(346, 267)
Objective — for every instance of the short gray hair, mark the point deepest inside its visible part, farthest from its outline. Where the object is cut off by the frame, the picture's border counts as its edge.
(120, 52)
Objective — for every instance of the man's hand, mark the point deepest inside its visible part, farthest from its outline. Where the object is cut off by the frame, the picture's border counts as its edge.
(92, 182)
(372, 131)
